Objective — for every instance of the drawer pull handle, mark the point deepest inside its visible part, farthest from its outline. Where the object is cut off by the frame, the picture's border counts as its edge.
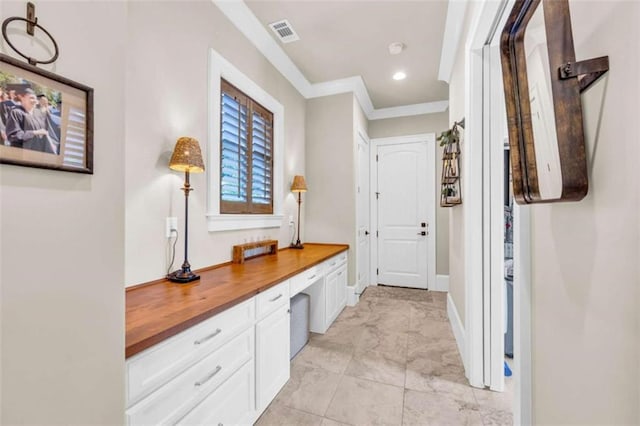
(209, 377)
(276, 298)
(312, 277)
(209, 337)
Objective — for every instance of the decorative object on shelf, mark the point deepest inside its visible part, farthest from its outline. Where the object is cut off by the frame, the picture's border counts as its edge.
(186, 158)
(299, 185)
(542, 86)
(47, 119)
(450, 191)
(246, 251)
(32, 24)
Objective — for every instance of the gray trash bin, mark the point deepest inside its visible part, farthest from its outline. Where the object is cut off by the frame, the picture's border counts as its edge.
(299, 323)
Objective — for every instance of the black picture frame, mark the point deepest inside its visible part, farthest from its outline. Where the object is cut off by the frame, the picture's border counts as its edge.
(67, 116)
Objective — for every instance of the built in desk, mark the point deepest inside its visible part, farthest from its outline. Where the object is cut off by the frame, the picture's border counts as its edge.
(160, 309)
(217, 350)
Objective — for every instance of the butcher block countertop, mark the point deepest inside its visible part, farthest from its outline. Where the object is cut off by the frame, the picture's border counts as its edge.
(161, 309)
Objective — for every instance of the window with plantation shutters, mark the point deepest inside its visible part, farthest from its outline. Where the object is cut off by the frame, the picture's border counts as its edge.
(246, 154)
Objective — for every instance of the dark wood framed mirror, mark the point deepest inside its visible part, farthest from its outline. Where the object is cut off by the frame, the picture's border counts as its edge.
(542, 84)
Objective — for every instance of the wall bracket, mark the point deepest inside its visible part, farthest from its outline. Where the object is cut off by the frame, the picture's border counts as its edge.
(590, 70)
(31, 23)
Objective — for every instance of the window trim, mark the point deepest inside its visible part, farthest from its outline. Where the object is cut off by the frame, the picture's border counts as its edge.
(220, 68)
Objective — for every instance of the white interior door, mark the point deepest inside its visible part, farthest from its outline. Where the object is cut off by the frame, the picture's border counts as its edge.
(362, 206)
(402, 212)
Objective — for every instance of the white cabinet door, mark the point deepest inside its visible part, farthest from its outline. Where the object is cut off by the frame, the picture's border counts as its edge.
(272, 355)
(341, 289)
(332, 297)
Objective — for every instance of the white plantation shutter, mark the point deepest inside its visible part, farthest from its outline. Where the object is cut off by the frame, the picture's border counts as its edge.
(262, 156)
(246, 154)
(234, 171)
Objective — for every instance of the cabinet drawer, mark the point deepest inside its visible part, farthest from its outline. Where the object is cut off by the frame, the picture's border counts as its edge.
(305, 279)
(173, 400)
(231, 404)
(336, 261)
(271, 299)
(152, 368)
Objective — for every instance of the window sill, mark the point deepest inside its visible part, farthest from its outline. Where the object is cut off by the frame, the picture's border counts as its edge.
(233, 222)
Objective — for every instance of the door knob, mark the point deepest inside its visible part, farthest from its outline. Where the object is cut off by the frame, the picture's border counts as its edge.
(366, 232)
(422, 233)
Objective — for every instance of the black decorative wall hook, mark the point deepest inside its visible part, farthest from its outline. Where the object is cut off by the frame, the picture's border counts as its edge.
(32, 23)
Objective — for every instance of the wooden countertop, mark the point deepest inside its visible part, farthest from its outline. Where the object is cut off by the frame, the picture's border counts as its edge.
(161, 309)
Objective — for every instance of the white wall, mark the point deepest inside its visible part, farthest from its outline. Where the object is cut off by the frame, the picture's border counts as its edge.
(586, 293)
(417, 124)
(62, 244)
(585, 255)
(331, 200)
(168, 49)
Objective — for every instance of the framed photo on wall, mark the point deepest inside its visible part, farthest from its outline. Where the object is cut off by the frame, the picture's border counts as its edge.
(46, 120)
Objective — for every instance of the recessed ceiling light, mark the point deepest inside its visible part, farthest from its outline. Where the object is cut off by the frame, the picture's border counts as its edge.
(399, 75)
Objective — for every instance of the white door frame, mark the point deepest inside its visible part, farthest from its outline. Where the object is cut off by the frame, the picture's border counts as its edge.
(491, 15)
(364, 139)
(430, 140)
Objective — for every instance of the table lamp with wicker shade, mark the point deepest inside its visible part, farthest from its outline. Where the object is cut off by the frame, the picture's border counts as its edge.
(186, 158)
(299, 185)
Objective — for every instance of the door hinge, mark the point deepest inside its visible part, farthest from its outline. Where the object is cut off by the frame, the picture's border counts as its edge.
(377, 271)
(377, 195)
(376, 234)
(376, 157)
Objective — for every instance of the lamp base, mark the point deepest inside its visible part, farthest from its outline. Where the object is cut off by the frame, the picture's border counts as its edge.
(297, 245)
(182, 276)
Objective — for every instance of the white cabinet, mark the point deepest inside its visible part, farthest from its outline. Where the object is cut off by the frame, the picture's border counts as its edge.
(230, 404)
(343, 281)
(328, 293)
(336, 299)
(272, 355)
(157, 365)
(331, 302)
(178, 396)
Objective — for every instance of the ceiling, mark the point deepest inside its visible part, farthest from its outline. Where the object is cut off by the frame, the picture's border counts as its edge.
(341, 39)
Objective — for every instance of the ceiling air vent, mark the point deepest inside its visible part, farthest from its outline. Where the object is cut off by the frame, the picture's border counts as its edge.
(284, 31)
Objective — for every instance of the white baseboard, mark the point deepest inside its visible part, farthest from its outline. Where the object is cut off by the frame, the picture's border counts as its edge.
(458, 329)
(442, 283)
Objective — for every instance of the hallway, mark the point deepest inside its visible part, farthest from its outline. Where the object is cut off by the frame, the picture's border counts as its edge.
(392, 359)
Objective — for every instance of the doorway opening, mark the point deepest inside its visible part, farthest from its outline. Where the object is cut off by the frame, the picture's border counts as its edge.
(487, 245)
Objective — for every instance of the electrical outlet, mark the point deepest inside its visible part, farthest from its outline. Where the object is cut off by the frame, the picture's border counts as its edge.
(172, 224)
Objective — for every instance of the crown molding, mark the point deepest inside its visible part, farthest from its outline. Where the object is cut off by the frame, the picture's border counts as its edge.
(451, 41)
(409, 110)
(246, 22)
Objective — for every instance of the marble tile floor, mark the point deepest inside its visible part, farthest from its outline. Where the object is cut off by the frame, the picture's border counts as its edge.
(390, 360)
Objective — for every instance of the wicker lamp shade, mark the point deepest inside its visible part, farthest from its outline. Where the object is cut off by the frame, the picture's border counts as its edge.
(299, 184)
(187, 156)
